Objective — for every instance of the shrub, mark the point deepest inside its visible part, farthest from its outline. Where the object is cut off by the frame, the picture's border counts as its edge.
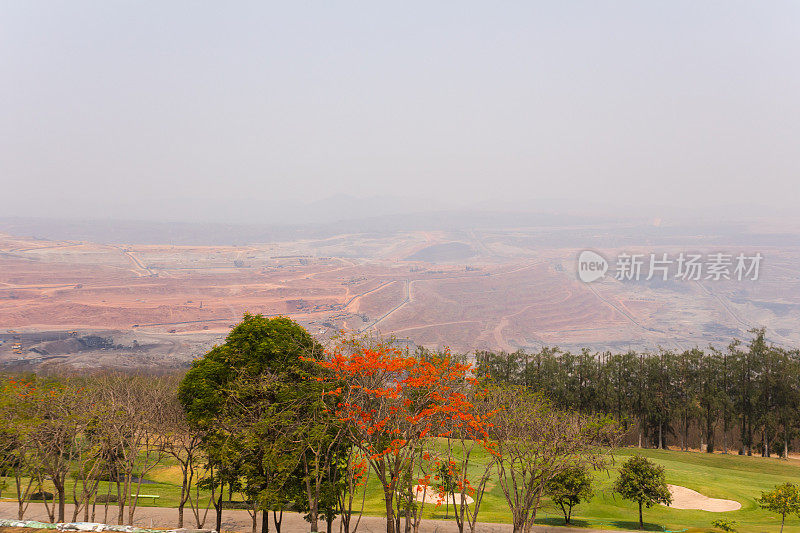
(725, 525)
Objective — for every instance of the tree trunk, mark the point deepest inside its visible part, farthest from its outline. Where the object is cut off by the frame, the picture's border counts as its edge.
(313, 514)
(277, 518)
(388, 498)
(105, 505)
(313, 498)
(61, 499)
(786, 446)
(768, 444)
(518, 523)
(314, 521)
(783, 519)
(725, 436)
(686, 434)
(710, 436)
(182, 502)
(743, 449)
(121, 497)
(641, 520)
(265, 521)
(219, 508)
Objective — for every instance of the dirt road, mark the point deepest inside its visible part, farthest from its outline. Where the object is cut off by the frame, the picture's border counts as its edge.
(162, 517)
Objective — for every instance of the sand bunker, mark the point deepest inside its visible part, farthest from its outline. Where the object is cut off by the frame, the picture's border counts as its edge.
(683, 498)
(431, 495)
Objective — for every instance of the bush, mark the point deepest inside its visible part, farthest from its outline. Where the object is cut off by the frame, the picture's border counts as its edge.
(725, 525)
(41, 496)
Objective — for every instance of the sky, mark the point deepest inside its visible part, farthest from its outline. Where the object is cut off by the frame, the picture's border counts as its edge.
(263, 111)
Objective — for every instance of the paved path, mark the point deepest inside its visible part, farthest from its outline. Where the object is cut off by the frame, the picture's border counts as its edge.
(238, 520)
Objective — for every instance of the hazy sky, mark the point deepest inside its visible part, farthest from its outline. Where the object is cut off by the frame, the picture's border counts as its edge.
(238, 110)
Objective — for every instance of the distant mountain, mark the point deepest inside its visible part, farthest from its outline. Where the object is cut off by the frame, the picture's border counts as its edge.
(351, 220)
(345, 216)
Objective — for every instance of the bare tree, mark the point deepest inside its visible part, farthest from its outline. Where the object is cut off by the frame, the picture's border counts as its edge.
(132, 425)
(182, 443)
(57, 423)
(87, 463)
(23, 477)
(535, 442)
(199, 512)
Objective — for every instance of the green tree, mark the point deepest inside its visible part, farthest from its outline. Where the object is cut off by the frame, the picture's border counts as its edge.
(783, 499)
(711, 395)
(569, 488)
(642, 482)
(245, 396)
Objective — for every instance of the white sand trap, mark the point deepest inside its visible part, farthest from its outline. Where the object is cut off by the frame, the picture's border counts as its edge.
(431, 495)
(683, 498)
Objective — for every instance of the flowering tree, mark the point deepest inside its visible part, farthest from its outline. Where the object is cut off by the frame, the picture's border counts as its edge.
(467, 475)
(389, 401)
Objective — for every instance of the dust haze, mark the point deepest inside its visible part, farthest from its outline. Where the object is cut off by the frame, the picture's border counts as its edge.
(425, 171)
(266, 114)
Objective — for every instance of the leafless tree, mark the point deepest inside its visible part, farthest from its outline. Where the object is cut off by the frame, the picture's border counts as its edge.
(536, 441)
(132, 425)
(57, 423)
(87, 463)
(182, 443)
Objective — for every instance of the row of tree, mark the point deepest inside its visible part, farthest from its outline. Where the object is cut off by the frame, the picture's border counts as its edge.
(271, 416)
(276, 411)
(81, 432)
(746, 396)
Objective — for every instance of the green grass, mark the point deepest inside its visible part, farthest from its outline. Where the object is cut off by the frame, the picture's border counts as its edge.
(715, 475)
(718, 476)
